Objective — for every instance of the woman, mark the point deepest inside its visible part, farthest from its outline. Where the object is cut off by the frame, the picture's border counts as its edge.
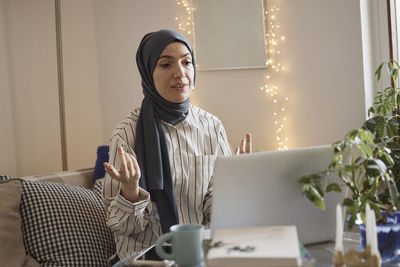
(162, 157)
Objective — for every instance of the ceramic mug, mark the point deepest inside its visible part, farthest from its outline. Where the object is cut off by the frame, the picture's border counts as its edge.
(186, 244)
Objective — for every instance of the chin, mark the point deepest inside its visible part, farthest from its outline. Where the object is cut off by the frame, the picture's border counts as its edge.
(178, 99)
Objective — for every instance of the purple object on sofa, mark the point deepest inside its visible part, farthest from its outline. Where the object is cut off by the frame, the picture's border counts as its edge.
(102, 156)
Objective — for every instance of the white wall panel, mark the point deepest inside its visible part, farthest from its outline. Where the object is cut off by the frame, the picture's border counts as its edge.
(83, 115)
(31, 49)
(8, 160)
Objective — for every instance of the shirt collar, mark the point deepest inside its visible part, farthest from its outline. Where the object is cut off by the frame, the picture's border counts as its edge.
(192, 119)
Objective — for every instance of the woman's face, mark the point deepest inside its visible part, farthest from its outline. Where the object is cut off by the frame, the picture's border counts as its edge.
(173, 74)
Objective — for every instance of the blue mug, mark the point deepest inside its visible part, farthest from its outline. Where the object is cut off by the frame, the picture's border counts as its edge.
(186, 244)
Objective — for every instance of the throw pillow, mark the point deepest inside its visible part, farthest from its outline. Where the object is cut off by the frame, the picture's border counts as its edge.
(102, 156)
(5, 177)
(64, 225)
(12, 252)
(98, 186)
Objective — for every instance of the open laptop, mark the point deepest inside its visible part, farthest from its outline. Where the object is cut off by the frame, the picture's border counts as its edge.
(262, 189)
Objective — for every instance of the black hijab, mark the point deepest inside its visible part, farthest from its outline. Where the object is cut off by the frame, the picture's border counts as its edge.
(151, 147)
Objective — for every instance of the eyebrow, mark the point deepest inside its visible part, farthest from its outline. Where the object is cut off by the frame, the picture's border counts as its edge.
(171, 57)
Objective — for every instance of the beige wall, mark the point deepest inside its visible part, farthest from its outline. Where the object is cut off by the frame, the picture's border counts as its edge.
(324, 80)
(82, 104)
(32, 83)
(32, 139)
(8, 163)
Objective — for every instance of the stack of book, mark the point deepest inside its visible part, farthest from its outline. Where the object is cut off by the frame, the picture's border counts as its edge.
(258, 246)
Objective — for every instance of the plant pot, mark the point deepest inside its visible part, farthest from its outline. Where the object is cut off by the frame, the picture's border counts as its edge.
(388, 238)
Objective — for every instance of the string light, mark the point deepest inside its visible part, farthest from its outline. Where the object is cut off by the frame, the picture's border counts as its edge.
(273, 39)
(185, 23)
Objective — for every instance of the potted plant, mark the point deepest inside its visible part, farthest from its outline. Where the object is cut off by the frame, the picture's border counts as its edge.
(366, 161)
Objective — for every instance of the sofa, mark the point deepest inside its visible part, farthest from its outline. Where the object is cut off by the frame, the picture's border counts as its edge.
(54, 220)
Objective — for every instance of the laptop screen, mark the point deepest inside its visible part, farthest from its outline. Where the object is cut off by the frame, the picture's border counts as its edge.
(262, 189)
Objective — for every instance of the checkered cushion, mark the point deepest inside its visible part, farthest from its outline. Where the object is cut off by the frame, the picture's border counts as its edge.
(98, 186)
(64, 225)
(5, 177)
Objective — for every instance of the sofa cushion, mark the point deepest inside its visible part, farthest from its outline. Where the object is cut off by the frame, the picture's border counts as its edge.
(64, 225)
(12, 252)
(82, 178)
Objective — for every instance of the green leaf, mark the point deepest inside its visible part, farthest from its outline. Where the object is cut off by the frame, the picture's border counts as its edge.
(394, 146)
(313, 195)
(389, 67)
(394, 126)
(348, 202)
(378, 71)
(349, 169)
(381, 165)
(367, 136)
(394, 75)
(389, 160)
(353, 134)
(398, 99)
(352, 220)
(394, 194)
(389, 131)
(333, 187)
(380, 129)
(370, 124)
(305, 179)
(375, 167)
(366, 150)
(371, 110)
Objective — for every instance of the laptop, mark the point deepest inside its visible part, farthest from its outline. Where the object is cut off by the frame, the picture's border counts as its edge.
(262, 189)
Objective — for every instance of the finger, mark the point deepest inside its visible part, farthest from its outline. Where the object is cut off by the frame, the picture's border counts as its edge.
(130, 168)
(242, 145)
(124, 169)
(249, 145)
(136, 167)
(111, 171)
(237, 150)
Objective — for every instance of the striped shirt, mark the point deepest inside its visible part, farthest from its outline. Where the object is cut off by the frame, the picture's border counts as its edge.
(193, 145)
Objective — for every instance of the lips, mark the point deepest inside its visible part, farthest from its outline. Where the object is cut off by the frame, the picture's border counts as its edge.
(179, 85)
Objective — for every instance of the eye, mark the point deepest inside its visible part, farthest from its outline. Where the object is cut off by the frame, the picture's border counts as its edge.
(188, 62)
(165, 65)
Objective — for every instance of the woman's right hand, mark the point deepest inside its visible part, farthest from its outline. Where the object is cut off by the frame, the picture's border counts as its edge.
(128, 175)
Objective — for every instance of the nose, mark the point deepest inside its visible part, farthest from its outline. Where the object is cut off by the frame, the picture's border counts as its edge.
(179, 71)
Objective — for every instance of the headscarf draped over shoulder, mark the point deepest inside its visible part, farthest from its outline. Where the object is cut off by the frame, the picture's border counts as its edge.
(151, 146)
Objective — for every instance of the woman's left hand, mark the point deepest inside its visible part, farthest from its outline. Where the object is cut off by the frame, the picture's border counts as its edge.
(245, 145)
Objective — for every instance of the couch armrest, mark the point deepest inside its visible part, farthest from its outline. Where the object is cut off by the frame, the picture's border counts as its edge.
(83, 178)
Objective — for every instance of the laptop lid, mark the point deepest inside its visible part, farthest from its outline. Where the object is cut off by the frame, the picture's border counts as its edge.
(262, 189)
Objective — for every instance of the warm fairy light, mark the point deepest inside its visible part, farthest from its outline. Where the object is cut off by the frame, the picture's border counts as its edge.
(273, 39)
(185, 20)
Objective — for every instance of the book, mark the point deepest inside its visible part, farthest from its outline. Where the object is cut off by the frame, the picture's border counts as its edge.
(256, 246)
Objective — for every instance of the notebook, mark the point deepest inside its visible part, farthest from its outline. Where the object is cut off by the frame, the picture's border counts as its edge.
(262, 189)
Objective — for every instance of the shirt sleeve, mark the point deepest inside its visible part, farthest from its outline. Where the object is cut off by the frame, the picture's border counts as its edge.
(224, 147)
(123, 217)
(224, 150)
